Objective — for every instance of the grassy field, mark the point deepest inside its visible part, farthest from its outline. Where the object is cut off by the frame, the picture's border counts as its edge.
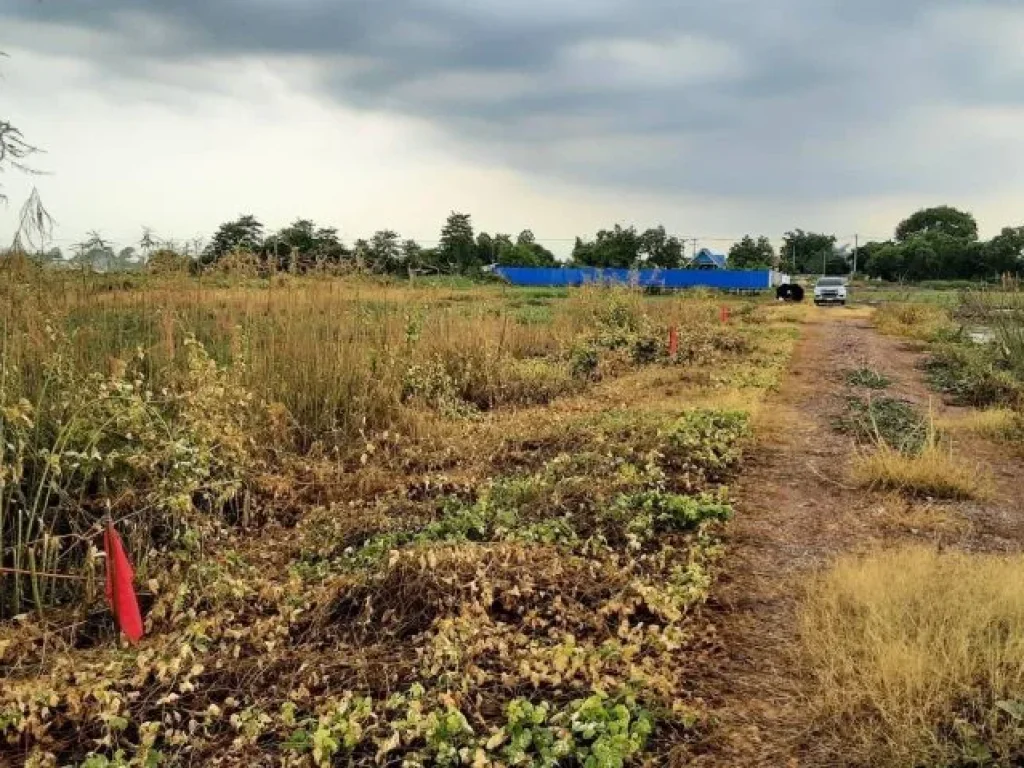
(372, 523)
(453, 523)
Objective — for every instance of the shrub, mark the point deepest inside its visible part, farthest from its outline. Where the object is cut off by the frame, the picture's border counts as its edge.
(172, 462)
(584, 361)
(646, 349)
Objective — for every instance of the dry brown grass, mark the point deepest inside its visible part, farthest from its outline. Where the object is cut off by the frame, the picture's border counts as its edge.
(921, 322)
(933, 472)
(901, 515)
(912, 652)
(992, 423)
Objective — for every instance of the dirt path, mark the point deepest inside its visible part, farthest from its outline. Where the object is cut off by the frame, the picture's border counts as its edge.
(796, 513)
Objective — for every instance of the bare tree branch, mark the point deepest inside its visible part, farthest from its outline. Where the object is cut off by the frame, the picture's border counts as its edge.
(14, 150)
(35, 225)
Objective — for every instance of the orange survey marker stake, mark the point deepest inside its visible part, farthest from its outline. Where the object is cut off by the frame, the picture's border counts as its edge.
(723, 313)
(120, 588)
(673, 341)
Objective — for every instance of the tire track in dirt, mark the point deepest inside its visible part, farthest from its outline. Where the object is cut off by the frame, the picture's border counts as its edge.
(795, 514)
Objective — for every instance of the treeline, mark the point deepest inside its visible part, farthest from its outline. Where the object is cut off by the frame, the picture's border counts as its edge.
(459, 249)
(933, 244)
(939, 243)
(942, 243)
(303, 245)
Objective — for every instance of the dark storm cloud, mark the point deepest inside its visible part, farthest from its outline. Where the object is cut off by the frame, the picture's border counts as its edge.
(799, 98)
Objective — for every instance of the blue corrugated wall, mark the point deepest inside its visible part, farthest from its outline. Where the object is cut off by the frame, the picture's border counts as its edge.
(729, 279)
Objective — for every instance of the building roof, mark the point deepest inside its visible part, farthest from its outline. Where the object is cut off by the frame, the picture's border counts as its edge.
(706, 257)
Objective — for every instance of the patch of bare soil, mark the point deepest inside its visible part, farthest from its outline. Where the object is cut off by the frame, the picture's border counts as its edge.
(796, 512)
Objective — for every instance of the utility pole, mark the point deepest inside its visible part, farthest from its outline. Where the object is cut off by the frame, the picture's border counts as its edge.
(856, 245)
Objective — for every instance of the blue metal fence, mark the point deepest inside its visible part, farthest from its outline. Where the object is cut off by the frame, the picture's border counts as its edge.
(728, 279)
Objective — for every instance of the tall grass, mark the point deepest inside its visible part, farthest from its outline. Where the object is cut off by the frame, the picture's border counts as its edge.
(1002, 424)
(932, 471)
(159, 401)
(334, 353)
(918, 658)
(924, 322)
(1003, 312)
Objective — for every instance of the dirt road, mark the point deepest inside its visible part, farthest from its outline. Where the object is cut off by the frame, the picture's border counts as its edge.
(795, 513)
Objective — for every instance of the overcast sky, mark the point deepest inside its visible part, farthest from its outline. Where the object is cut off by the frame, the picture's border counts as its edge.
(715, 118)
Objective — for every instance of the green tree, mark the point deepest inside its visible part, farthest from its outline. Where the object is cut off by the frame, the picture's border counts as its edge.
(504, 252)
(865, 253)
(955, 257)
(243, 234)
(503, 245)
(920, 259)
(304, 244)
(486, 252)
(940, 219)
(531, 255)
(749, 253)
(885, 261)
(457, 246)
(1005, 252)
(933, 243)
(617, 247)
(414, 258)
(658, 249)
(807, 252)
(384, 252)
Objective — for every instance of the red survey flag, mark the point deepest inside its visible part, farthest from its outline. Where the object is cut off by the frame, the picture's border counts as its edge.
(120, 589)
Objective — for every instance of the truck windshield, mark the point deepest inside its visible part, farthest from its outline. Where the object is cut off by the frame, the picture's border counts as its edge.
(831, 282)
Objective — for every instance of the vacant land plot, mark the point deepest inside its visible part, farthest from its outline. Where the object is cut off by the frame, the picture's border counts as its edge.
(394, 524)
(372, 524)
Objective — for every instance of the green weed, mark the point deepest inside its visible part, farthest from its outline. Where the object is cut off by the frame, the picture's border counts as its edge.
(868, 378)
(895, 422)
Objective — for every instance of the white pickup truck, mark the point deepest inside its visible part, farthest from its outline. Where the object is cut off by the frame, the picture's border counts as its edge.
(830, 290)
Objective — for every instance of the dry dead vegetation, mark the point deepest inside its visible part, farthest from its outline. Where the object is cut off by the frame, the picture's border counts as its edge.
(919, 657)
(916, 654)
(373, 525)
